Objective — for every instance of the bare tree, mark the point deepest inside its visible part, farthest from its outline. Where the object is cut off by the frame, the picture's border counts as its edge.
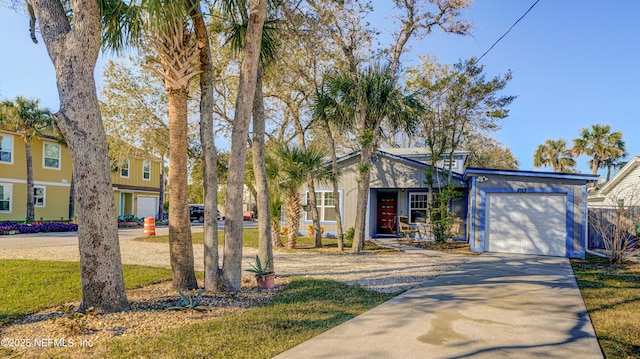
(617, 220)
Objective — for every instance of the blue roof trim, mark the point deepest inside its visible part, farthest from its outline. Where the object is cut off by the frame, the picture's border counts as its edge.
(470, 172)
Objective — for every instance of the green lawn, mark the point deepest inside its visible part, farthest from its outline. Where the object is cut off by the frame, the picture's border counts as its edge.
(306, 308)
(250, 240)
(612, 296)
(29, 286)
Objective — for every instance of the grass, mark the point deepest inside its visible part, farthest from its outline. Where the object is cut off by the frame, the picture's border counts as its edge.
(306, 308)
(250, 240)
(36, 285)
(612, 296)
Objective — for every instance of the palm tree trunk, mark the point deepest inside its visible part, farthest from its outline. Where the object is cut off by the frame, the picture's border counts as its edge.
(334, 181)
(313, 202)
(30, 197)
(212, 278)
(74, 52)
(180, 245)
(232, 261)
(265, 250)
(362, 198)
(292, 205)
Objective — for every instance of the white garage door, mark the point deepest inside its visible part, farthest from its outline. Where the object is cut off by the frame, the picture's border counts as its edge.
(530, 223)
(147, 207)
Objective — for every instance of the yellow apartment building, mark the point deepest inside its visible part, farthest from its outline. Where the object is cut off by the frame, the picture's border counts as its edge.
(136, 185)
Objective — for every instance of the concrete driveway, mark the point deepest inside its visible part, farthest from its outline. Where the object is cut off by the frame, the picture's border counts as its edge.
(509, 306)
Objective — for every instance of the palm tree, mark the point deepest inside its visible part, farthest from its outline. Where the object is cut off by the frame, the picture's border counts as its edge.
(554, 154)
(292, 168)
(29, 120)
(369, 98)
(599, 143)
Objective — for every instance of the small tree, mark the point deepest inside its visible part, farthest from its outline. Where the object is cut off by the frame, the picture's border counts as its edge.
(442, 219)
(617, 224)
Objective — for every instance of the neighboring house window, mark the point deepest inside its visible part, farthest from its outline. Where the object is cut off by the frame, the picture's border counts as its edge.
(39, 195)
(449, 163)
(326, 205)
(146, 170)
(124, 170)
(51, 155)
(5, 197)
(6, 148)
(418, 205)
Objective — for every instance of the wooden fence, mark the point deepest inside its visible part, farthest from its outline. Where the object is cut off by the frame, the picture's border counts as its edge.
(605, 217)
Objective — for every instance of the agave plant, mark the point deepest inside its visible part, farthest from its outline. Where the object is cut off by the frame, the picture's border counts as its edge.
(258, 269)
(189, 301)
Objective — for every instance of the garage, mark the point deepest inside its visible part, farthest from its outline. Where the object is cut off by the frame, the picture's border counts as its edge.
(527, 223)
(527, 212)
(147, 206)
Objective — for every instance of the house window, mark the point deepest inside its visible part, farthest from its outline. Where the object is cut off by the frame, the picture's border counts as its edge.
(449, 163)
(6, 148)
(5, 197)
(124, 169)
(39, 195)
(51, 156)
(418, 206)
(325, 202)
(146, 170)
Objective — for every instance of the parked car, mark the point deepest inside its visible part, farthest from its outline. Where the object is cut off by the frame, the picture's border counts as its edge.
(196, 212)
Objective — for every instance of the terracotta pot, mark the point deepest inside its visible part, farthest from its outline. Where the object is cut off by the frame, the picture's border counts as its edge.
(266, 282)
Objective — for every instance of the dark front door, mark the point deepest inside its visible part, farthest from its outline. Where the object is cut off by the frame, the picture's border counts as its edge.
(387, 213)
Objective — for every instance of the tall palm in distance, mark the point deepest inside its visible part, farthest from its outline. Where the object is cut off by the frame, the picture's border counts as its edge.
(554, 153)
(601, 144)
(290, 167)
(25, 117)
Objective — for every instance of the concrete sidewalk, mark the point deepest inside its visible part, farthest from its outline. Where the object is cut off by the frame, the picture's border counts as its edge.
(494, 305)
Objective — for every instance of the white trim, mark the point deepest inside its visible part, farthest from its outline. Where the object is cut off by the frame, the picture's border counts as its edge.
(42, 183)
(629, 167)
(12, 151)
(128, 168)
(321, 206)
(44, 197)
(143, 171)
(44, 156)
(426, 209)
(10, 191)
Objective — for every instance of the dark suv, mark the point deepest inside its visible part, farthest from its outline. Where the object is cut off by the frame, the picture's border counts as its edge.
(196, 212)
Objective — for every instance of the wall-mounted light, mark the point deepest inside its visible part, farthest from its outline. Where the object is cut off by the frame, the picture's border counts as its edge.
(482, 179)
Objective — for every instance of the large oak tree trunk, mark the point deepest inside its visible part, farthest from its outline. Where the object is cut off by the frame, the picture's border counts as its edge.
(180, 245)
(265, 250)
(31, 214)
(212, 277)
(232, 261)
(74, 53)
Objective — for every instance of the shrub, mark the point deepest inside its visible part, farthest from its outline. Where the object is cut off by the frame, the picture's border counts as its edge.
(8, 227)
(350, 233)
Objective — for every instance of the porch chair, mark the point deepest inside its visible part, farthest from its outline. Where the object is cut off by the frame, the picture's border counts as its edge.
(405, 229)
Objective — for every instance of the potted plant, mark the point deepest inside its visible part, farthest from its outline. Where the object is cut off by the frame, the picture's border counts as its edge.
(264, 276)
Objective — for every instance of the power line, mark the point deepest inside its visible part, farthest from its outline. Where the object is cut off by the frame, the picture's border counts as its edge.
(505, 34)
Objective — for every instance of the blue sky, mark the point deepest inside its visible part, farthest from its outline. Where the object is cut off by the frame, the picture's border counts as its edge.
(574, 63)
